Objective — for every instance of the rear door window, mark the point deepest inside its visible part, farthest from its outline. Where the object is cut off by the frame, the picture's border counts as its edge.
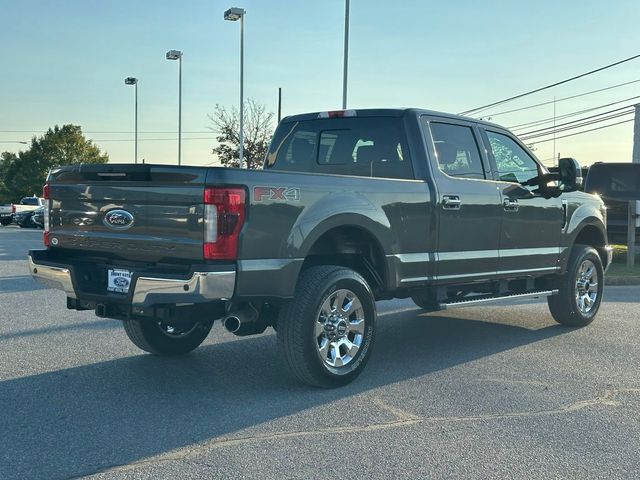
(457, 150)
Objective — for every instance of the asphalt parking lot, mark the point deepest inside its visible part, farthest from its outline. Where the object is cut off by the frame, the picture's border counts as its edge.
(492, 392)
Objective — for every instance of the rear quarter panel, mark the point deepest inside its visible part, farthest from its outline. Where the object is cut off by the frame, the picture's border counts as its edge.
(280, 230)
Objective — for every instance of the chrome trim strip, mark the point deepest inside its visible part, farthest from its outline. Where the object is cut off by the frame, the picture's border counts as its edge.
(467, 255)
(475, 254)
(266, 264)
(499, 272)
(54, 277)
(544, 269)
(481, 301)
(416, 279)
(412, 257)
(205, 285)
(502, 253)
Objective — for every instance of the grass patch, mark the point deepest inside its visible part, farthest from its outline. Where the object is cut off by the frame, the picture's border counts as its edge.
(620, 254)
(619, 267)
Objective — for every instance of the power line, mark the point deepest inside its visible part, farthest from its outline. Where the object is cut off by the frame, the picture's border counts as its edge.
(546, 87)
(149, 139)
(568, 115)
(584, 131)
(611, 87)
(113, 132)
(573, 127)
(628, 107)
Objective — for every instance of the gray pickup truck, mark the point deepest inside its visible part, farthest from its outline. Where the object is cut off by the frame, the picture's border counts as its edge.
(352, 207)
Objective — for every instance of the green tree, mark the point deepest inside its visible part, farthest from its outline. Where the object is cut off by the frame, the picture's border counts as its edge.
(258, 128)
(23, 174)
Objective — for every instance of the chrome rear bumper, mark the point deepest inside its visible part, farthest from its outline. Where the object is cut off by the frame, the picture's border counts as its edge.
(201, 287)
(54, 277)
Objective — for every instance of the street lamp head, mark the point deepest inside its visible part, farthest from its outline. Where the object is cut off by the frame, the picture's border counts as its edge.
(234, 14)
(174, 54)
(130, 81)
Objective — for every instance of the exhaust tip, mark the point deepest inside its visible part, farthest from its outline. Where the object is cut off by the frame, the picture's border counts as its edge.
(232, 324)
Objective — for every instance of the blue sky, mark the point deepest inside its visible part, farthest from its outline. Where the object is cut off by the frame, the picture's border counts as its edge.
(64, 62)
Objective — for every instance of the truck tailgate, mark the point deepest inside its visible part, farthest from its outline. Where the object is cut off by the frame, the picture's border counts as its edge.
(147, 213)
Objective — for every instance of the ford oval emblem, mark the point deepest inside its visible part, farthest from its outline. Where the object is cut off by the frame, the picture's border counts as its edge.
(118, 219)
(121, 282)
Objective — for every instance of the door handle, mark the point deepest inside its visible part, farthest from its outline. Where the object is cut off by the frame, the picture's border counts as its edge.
(510, 205)
(451, 202)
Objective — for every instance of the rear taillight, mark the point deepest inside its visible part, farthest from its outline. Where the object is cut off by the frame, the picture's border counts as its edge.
(224, 210)
(45, 195)
(13, 209)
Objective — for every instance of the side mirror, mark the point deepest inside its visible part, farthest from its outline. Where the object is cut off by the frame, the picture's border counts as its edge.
(570, 174)
(618, 181)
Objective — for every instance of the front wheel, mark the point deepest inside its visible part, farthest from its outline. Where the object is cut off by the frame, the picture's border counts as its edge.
(161, 338)
(580, 289)
(326, 332)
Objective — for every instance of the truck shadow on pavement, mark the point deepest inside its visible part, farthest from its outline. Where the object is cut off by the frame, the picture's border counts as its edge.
(86, 419)
(19, 283)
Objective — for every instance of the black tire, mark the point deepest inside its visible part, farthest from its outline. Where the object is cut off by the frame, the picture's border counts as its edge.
(298, 322)
(5, 221)
(153, 336)
(565, 307)
(424, 301)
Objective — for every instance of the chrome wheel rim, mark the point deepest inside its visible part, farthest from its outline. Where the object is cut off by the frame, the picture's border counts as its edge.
(339, 329)
(587, 287)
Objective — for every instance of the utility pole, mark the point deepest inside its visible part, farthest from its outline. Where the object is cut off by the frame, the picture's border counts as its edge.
(279, 104)
(345, 67)
(554, 127)
(631, 227)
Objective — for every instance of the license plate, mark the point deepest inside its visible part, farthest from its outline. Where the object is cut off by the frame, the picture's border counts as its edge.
(118, 280)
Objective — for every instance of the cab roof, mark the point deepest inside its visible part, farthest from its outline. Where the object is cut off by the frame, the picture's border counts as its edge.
(384, 112)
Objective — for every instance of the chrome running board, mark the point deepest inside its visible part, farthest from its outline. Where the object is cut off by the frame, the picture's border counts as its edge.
(494, 299)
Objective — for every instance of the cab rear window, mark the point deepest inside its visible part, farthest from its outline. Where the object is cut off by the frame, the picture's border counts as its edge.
(367, 147)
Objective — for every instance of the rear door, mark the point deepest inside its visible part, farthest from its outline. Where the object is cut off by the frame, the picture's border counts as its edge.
(468, 205)
(531, 224)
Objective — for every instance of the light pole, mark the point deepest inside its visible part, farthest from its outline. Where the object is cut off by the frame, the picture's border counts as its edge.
(345, 66)
(177, 55)
(134, 81)
(234, 14)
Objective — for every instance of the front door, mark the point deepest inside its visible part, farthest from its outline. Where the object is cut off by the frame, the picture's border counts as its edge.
(531, 224)
(468, 204)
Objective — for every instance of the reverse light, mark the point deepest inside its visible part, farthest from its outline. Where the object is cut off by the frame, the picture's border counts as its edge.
(224, 212)
(45, 196)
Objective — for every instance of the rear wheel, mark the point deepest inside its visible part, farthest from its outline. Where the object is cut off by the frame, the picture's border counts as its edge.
(326, 333)
(580, 289)
(161, 338)
(5, 221)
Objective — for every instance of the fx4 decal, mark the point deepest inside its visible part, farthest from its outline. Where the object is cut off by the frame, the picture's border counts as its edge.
(282, 194)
